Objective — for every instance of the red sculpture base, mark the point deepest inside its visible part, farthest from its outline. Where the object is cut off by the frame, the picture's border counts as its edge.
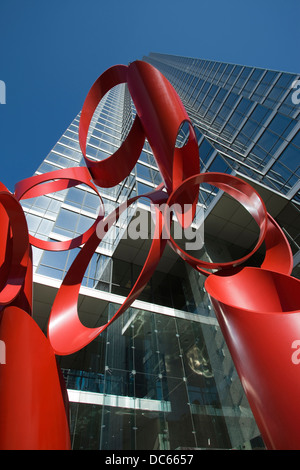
(259, 314)
(33, 404)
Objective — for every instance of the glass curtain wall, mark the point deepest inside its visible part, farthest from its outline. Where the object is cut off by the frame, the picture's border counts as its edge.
(246, 114)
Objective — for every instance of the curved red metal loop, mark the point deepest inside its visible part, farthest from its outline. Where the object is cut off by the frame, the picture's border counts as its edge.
(242, 192)
(66, 333)
(124, 159)
(56, 181)
(15, 249)
(259, 315)
(279, 256)
(162, 114)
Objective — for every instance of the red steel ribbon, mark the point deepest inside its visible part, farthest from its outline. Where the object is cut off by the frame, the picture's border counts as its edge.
(242, 192)
(259, 314)
(124, 159)
(257, 308)
(65, 331)
(56, 181)
(15, 250)
(162, 114)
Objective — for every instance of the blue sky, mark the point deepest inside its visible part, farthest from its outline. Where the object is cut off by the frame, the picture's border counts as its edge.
(51, 51)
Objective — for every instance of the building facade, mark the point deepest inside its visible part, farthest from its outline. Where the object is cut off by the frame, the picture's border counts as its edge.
(161, 377)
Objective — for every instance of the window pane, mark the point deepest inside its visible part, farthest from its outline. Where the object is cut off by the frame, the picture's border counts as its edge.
(67, 220)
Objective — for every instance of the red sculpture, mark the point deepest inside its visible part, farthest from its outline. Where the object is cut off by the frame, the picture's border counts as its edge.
(257, 308)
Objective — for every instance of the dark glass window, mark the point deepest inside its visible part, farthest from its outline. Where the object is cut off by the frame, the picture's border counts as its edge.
(143, 172)
(281, 125)
(75, 196)
(219, 165)
(290, 157)
(66, 222)
(260, 114)
(205, 151)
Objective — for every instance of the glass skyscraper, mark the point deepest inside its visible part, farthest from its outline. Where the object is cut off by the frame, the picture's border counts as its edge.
(161, 377)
